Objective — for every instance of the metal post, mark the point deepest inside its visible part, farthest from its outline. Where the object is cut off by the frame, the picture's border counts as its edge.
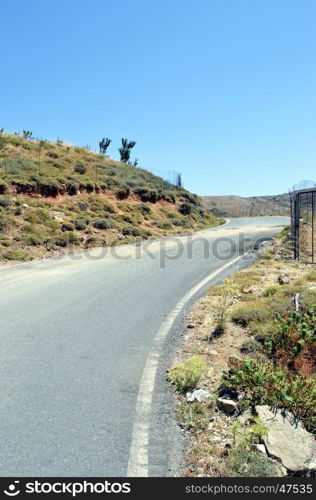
(313, 212)
(296, 226)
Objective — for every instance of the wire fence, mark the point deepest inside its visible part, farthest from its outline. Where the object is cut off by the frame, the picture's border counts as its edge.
(303, 217)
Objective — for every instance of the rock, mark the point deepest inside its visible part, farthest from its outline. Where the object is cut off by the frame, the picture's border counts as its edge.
(198, 395)
(261, 448)
(190, 325)
(283, 280)
(227, 405)
(287, 440)
(248, 290)
(213, 352)
(25, 206)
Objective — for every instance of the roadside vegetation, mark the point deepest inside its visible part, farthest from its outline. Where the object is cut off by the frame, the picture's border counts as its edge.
(255, 335)
(56, 198)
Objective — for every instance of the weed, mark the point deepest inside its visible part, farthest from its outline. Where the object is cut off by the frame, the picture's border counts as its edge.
(311, 276)
(271, 290)
(226, 292)
(194, 416)
(15, 255)
(244, 463)
(265, 383)
(187, 375)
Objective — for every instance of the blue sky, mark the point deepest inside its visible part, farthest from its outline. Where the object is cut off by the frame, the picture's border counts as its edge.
(222, 91)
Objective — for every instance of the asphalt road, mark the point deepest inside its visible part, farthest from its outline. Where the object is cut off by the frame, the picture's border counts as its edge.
(75, 336)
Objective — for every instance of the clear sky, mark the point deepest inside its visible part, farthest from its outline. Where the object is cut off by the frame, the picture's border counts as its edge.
(223, 91)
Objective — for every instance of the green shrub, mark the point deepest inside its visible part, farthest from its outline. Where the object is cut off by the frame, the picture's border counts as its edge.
(245, 315)
(32, 239)
(187, 375)
(164, 225)
(18, 164)
(131, 231)
(80, 169)
(147, 194)
(308, 299)
(122, 192)
(103, 224)
(245, 463)
(311, 276)
(182, 222)
(72, 188)
(58, 240)
(80, 224)
(192, 198)
(271, 290)
(186, 208)
(37, 216)
(67, 226)
(144, 209)
(52, 154)
(100, 205)
(128, 218)
(15, 255)
(6, 201)
(169, 197)
(72, 238)
(194, 416)
(263, 383)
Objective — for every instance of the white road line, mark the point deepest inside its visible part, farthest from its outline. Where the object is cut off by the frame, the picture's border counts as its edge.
(138, 464)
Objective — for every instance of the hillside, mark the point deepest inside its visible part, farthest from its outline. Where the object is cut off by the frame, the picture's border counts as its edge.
(55, 198)
(238, 206)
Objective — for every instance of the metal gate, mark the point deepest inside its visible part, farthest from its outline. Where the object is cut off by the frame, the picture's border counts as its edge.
(303, 204)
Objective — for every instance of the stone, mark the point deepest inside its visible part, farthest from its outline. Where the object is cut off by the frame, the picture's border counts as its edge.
(25, 206)
(287, 440)
(190, 325)
(228, 406)
(197, 395)
(213, 352)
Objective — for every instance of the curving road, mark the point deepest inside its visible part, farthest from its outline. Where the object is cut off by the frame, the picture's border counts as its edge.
(85, 341)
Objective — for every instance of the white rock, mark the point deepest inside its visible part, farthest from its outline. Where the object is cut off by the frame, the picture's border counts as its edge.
(198, 395)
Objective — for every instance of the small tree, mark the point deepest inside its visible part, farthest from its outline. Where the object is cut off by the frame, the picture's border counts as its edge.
(27, 134)
(104, 144)
(125, 150)
(2, 139)
(178, 181)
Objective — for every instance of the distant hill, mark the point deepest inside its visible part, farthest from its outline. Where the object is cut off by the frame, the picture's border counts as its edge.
(238, 206)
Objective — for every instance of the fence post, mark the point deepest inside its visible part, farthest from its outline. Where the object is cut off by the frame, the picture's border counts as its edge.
(296, 226)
